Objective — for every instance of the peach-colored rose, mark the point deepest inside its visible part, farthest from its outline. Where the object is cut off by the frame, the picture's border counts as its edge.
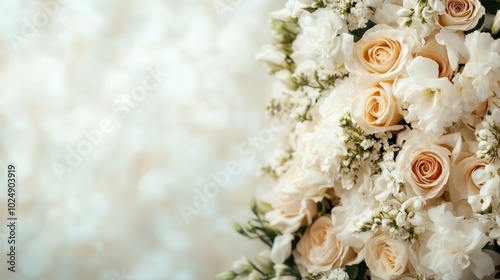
(461, 14)
(424, 162)
(461, 182)
(319, 249)
(438, 53)
(383, 51)
(375, 108)
(387, 258)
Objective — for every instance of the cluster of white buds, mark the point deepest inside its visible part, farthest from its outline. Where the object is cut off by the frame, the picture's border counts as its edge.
(261, 267)
(487, 212)
(400, 219)
(486, 205)
(418, 13)
(488, 135)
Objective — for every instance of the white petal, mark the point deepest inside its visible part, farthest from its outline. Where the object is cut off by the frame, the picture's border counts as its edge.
(282, 248)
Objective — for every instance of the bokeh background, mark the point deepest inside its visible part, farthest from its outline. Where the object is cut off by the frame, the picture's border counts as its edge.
(67, 66)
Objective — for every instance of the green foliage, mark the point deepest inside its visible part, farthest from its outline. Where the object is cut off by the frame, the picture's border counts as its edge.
(495, 247)
(356, 272)
(491, 6)
(358, 33)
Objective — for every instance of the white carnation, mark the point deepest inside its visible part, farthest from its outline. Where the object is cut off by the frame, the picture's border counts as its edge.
(297, 6)
(481, 72)
(324, 40)
(454, 250)
(323, 149)
(431, 102)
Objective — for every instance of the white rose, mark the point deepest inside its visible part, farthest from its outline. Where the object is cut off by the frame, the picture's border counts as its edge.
(461, 14)
(303, 181)
(387, 258)
(383, 51)
(375, 108)
(319, 249)
(462, 183)
(424, 162)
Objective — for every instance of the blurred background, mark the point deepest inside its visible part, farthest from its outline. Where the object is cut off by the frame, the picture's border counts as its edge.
(119, 116)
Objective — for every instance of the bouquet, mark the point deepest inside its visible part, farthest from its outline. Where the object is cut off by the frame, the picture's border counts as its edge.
(390, 165)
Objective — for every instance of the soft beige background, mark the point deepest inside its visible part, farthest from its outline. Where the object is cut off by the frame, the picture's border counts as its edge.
(116, 216)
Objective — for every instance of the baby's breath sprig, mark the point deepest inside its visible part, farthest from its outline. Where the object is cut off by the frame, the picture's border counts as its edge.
(297, 104)
(279, 164)
(363, 148)
(358, 147)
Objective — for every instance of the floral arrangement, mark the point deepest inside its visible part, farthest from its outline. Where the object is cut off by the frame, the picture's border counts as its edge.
(390, 168)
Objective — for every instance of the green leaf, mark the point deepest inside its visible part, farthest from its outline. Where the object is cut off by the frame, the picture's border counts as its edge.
(478, 25)
(352, 271)
(495, 247)
(358, 33)
(253, 205)
(362, 271)
(356, 272)
(309, 9)
(491, 6)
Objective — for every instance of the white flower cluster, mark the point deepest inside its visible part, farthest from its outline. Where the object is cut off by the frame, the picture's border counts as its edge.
(278, 164)
(488, 135)
(335, 274)
(400, 219)
(395, 140)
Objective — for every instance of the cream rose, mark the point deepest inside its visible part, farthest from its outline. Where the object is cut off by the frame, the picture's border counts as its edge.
(290, 211)
(294, 198)
(387, 258)
(439, 54)
(462, 183)
(383, 51)
(461, 14)
(375, 108)
(319, 249)
(424, 162)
